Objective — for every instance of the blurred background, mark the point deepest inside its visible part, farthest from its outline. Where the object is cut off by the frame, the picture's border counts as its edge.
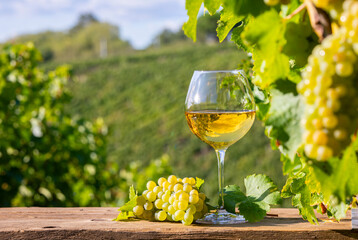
(80, 134)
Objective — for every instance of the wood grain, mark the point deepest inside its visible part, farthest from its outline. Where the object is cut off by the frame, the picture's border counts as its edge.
(96, 223)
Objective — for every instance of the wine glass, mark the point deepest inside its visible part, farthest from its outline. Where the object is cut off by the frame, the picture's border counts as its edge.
(220, 109)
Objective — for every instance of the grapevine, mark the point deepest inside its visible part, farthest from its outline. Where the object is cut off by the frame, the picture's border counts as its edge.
(303, 62)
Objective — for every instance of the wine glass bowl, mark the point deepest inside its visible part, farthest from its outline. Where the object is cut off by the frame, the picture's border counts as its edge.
(220, 110)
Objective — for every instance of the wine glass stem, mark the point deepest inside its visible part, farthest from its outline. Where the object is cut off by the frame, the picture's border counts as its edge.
(220, 154)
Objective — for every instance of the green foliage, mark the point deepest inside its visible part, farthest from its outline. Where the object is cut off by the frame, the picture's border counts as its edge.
(192, 8)
(47, 158)
(126, 211)
(279, 46)
(260, 194)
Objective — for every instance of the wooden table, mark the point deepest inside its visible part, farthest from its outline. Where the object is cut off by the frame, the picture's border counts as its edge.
(96, 223)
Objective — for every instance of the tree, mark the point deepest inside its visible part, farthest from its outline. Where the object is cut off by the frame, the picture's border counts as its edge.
(84, 20)
(47, 157)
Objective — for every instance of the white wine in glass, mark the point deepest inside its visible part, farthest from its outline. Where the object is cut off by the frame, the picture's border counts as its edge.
(220, 110)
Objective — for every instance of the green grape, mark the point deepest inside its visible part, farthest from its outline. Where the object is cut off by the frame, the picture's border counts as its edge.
(165, 185)
(166, 197)
(271, 2)
(160, 194)
(320, 137)
(175, 204)
(187, 187)
(344, 69)
(138, 210)
(171, 187)
(148, 215)
(188, 219)
(144, 194)
(194, 199)
(157, 189)
(205, 209)
(171, 209)
(184, 196)
(151, 196)
(158, 203)
(141, 200)
(198, 215)
(186, 180)
(161, 181)
(192, 181)
(179, 215)
(202, 196)
(178, 187)
(199, 205)
(182, 205)
(165, 206)
(160, 215)
(194, 192)
(191, 209)
(151, 185)
(171, 199)
(148, 206)
(172, 179)
(177, 194)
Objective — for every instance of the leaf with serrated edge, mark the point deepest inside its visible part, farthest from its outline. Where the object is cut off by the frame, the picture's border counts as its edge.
(212, 5)
(342, 180)
(192, 7)
(132, 193)
(284, 117)
(227, 21)
(199, 183)
(300, 188)
(260, 193)
(124, 216)
(232, 196)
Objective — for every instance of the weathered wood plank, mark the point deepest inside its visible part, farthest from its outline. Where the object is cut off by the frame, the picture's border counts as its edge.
(355, 218)
(96, 223)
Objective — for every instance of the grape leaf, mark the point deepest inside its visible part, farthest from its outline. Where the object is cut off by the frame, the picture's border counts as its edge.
(248, 7)
(236, 36)
(336, 208)
(227, 21)
(260, 194)
(132, 192)
(232, 196)
(212, 5)
(298, 188)
(339, 175)
(126, 211)
(266, 34)
(124, 216)
(199, 183)
(189, 27)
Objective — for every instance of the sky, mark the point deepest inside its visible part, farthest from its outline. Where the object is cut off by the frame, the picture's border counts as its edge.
(139, 20)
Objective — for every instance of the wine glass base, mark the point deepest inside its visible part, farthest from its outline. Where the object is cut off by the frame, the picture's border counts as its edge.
(221, 217)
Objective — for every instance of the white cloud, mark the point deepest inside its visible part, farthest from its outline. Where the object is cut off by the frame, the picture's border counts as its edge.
(139, 20)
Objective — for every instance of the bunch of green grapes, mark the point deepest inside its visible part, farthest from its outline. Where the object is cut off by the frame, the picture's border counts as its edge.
(173, 199)
(329, 87)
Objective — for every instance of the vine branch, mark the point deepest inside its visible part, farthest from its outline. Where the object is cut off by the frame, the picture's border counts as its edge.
(298, 10)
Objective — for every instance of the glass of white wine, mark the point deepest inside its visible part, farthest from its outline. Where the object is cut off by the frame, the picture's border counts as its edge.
(220, 110)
